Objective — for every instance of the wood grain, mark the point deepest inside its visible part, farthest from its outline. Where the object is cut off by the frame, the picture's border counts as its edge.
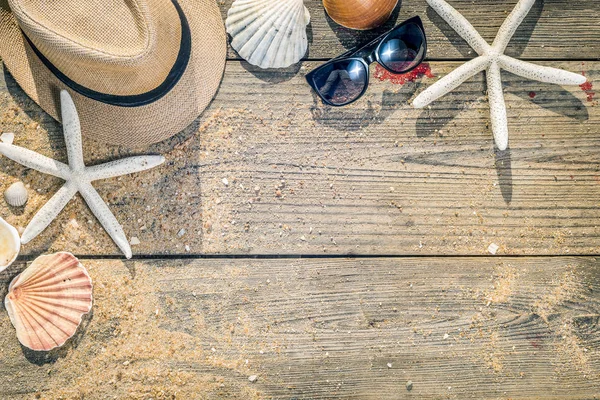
(267, 169)
(552, 30)
(325, 328)
(377, 177)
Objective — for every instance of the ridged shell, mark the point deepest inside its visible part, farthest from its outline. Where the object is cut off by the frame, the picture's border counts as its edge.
(269, 33)
(46, 302)
(360, 14)
(10, 244)
(16, 194)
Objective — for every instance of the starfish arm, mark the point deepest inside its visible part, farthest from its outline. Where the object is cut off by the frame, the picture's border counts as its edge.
(451, 81)
(33, 160)
(123, 167)
(72, 131)
(540, 73)
(460, 25)
(48, 212)
(510, 25)
(497, 106)
(105, 216)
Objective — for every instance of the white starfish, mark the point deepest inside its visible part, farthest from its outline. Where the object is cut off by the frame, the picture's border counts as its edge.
(78, 177)
(492, 59)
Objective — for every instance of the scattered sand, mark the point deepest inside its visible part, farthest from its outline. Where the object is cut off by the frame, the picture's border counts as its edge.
(125, 351)
(565, 289)
(354, 174)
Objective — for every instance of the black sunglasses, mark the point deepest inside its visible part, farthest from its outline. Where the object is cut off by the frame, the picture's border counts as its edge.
(345, 78)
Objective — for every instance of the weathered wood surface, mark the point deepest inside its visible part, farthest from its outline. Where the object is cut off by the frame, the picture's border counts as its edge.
(553, 30)
(331, 328)
(377, 177)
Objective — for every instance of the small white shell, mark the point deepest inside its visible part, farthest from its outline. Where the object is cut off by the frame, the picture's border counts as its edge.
(7, 137)
(10, 244)
(16, 194)
(269, 33)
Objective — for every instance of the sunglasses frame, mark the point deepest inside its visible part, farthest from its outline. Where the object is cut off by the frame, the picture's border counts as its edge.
(367, 55)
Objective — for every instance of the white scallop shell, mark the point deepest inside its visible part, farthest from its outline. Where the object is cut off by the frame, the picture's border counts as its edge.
(16, 194)
(10, 244)
(269, 33)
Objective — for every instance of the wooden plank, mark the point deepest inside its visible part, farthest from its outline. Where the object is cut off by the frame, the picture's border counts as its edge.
(377, 177)
(325, 328)
(552, 30)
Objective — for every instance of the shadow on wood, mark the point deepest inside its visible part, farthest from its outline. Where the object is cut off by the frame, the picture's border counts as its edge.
(352, 38)
(504, 171)
(349, 118)
(554, 98)
(272, 75)
(514, 49)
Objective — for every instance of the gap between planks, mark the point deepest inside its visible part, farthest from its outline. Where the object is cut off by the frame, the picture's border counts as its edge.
(249, 257)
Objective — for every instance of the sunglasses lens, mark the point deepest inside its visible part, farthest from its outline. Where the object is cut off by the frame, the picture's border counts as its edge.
(403, 49)
(341, 82)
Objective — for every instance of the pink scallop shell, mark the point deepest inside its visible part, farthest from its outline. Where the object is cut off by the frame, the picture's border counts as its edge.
(46, 302)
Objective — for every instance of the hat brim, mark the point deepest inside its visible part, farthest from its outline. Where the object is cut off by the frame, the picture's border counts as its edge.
(128, 126)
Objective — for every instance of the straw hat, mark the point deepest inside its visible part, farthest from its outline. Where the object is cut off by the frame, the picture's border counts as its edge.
(139, 71)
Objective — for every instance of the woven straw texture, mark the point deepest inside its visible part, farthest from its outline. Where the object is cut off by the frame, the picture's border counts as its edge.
(135, 68)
